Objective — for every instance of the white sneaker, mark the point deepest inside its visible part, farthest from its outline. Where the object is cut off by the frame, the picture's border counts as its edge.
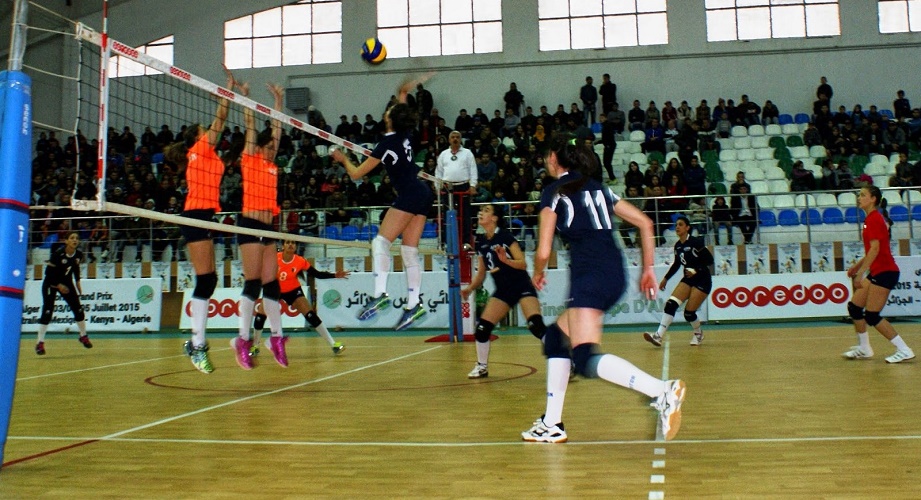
(540, 433)
(669, 406)
(653, 338)
(697, 338)
(901, 355)
(858, 352)
(479, 371)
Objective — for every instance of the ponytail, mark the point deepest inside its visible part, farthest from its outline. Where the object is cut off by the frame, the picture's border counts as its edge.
(574, 157)
(882, 209)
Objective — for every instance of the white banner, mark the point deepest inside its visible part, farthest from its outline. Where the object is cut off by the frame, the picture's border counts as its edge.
(905, 298)
(338, 302)
(121, 305)
(775, 296)
(223, 312)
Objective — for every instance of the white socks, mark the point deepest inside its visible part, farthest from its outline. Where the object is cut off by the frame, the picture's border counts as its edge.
(246, 316)
(273, 311)
(666, 322)
(482, 352)
(41, 332)
(380, 263)
(413, 274)
(625, 374)
(558, 370)
(863, 340)
(199, 320)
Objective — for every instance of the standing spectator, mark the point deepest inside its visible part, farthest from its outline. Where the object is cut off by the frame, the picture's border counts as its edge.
(609, 142)
(424, 100)
(589, 96)
(745, 212)
(901, 106)
(608, 91)
(513, 99)
(824, 91)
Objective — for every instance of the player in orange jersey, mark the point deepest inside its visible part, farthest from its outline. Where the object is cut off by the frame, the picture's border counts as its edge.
(290, 267)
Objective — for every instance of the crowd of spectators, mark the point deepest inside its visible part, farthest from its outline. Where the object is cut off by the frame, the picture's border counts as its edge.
(509, 148)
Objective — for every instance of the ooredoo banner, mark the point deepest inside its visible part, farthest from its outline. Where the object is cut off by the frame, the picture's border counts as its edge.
(773, 296)
(223, 312)
(118, 305)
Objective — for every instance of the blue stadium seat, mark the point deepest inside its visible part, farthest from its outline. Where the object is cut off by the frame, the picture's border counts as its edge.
(788, 217)
(800, 118)
(854, 215)
(50, 240)
(349, 233)
(898, 213)
(784, 119)
(331, 232)
(766, 218)
(832, 215)
(430, 230)
(810, 217)
(887, 113)
(916, 212)
(596, 128)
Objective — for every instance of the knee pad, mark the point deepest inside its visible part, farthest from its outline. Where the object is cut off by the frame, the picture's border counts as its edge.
(483, 330)
(556, 345)
(251, 289)
(259, 321)
(855, 312)
(410, 256)
(585, 357)
(79, 315)
(873, 318)
(313, 319)
(271, 291)
(536, 326)
(380, 246)
(690, 315)
(671, 306)
(204, 286)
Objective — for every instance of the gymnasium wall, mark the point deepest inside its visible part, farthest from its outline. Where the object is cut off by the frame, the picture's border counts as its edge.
(862, 65)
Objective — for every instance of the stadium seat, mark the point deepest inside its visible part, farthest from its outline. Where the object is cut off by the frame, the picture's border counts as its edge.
(873, 169)
(772, 172)
(596, 128)
(826, 200)
(777, 142)
(880, 180)
(639, 158)
(738, 131)
(714, 174)
(790, 129)
(773, 130)
(788, 217)
(794, 141)
(755, 130)
(764, 154)
(349, 233)
(832, 215)
(800, 118)
(799, 152)
(898, 213)
(817, 152)
(728, 155)
(745, 154)
(430, 230)
(804, 200)
(655, 155)
(766, 218)
(760, 141)
(854, 215)
(785, 119)
(778, 185)
(743, 142)
(331, 232)
(717, 188)
(766, 201)
(911, 197)
(759, 187)
(887, 113)
(784, 201)
(893, 198)
(711, 156)
(752, 172)
(725, 143)
(782, 154)
(916, 212)
(847, 200)
(810, 217)
(637, 136)
(670, 155)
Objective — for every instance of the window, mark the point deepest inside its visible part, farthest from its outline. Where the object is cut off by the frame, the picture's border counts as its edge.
(305, 32)
(418, 28)
(759, 19)
(594, 24)
(899, 16)
(161, 49)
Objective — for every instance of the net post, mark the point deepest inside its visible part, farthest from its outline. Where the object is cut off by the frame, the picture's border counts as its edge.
(16, 172)
(455, 323)
(103, 133)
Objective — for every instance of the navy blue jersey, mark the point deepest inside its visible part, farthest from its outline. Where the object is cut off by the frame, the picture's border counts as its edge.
(63, 268)
(486, 248)
(585, 219)
(692, 254)
(396, 154)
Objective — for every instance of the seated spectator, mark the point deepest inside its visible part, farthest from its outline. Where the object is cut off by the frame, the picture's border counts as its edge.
(724, 126)
(769, 113)
(828, 175)
(654, 170)
(736, 187)
(695, 178)
(904, 176)
(636, 117)
(749, 112)
(685, 113)
(655, 138)
(617, 118)
(844, 178)
(894, 140)
(914, 126)
(633, 177)
(873, 138)
(654, 187)
(702, 112)
(676, 187)
(652, 114)
(811, 136)
(671, 133)
(802, 179)
(745, 212)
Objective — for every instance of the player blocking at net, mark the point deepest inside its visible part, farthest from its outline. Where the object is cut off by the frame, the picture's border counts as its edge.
(290, 267)
(406, 216)
(260, 205)
(197, 155)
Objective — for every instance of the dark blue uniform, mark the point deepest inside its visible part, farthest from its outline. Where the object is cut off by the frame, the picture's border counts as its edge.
(62, 269)
(396, 154)
(693, 254)
(586, 220)
(512, 284)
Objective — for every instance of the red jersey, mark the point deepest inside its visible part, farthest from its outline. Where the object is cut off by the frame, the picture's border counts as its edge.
(289, 271)
(875, 228)
(260, 184)
(204, 176)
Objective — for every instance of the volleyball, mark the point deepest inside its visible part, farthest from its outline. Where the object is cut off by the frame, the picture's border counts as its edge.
(373, 51)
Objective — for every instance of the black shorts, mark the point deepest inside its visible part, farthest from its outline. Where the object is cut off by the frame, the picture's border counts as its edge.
(193, 234)
(885, 279)
(701, 280)
(247, 222)
(416, 200)
(511, 292)
(290, 297)
(597, 288)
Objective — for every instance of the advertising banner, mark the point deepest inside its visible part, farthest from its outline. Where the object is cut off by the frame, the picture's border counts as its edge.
(120, 305)
(774, 296)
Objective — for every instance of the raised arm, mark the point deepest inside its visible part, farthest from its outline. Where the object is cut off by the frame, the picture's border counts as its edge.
(279, 94)
(249, 122)
(220, 116)
(410, 83)
(355, 172)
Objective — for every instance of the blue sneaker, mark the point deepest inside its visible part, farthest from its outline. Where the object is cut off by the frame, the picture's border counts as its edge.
(373, 306)
(410, 316)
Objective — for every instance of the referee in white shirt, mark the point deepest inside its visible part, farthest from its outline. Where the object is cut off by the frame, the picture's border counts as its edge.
(457, 166)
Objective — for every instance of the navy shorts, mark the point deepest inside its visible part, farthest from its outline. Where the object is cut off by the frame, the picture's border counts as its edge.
(247, 222)
(416, 200)
(700, 280)
(512, 291)
(598, 288)
(885, 279)
(193, 234)
(290, 297)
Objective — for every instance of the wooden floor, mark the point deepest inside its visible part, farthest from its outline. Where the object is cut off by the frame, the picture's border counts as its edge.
(772, 412)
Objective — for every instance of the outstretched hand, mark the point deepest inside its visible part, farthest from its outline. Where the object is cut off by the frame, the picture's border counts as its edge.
(231, 81)
(277, 91)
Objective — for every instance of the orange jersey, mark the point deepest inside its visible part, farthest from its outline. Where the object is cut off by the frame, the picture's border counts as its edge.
(260, 184)
(288, 272)
(204, 176)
